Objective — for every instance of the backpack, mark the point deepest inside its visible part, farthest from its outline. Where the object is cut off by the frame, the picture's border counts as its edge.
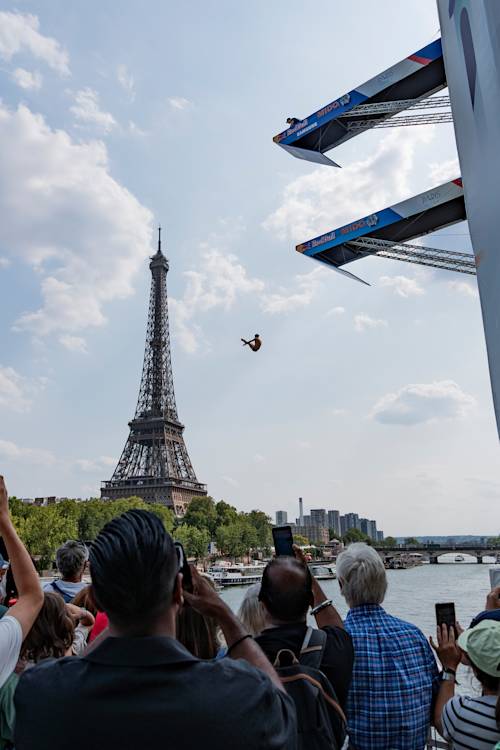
(321, 723)
(67, 597)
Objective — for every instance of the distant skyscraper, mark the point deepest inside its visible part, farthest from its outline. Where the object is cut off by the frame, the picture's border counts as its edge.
(343, 525)
(281, 518)
(380, 536)
(372, 529)
(352, 521)
(334, 521)
(301, 512)
(318, 517)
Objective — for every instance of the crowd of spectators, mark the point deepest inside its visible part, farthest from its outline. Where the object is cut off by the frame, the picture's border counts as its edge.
(136, 659)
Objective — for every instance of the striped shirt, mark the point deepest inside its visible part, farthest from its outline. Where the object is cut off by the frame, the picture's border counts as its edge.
(470, 722)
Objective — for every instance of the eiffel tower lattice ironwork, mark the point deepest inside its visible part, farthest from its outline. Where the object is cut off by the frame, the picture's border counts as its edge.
(155, 464)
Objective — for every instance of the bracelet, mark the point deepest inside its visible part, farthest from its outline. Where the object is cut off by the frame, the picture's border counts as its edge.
(319, 607)
(237, 643)
(448, 670)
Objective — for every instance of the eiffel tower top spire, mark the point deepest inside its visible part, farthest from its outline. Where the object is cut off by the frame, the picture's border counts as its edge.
(155, 464)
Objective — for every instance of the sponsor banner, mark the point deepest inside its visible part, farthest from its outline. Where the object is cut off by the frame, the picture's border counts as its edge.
(366, 225)
(375, 85)
(471, 50)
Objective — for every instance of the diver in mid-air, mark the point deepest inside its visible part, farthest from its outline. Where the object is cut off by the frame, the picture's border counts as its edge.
(254, 344)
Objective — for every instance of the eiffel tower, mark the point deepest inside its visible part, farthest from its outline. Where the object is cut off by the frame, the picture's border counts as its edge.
(155, 464)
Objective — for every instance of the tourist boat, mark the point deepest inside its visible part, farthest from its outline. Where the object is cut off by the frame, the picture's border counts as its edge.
(323, 572)
(459, 558)
(236, 575)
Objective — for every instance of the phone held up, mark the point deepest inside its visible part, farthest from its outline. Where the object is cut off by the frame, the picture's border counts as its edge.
(283, 540)
(187, 579)
(445, 615)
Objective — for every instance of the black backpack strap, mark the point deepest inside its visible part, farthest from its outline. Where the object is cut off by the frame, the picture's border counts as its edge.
(313, 648)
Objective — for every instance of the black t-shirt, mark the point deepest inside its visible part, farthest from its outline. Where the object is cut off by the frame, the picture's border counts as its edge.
(338, 657)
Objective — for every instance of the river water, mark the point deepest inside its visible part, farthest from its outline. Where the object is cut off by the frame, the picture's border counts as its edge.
(412, 593)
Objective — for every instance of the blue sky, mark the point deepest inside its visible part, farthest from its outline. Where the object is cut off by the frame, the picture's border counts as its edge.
(114, 117)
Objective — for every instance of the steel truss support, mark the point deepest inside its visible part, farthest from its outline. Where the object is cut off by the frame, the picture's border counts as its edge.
(449, 260)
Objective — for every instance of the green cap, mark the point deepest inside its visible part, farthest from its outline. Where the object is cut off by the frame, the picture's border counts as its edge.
(482, 645)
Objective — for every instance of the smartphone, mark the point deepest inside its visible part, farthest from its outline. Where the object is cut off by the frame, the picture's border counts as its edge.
(187, 579)
(494, 577)
(283, 540)
(445, 615)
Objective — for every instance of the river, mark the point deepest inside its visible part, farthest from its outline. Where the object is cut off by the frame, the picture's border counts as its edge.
(412, 593)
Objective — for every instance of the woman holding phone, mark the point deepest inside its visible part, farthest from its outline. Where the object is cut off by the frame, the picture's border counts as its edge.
(465, 721)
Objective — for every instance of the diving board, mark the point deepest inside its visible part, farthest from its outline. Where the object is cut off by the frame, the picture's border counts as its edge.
(399, 87)
(424, 213)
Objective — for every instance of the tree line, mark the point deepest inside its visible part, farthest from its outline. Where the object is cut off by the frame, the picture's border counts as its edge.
(44, 528)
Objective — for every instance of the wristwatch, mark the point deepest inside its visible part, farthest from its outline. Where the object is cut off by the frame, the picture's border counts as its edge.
(448, 674)
(319, 607)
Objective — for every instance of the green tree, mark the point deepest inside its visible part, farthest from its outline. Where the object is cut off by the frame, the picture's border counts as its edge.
(236, 539)
(201, 514)
(262, 525)
(195, 541)
(411, 541)
(225, 513)
(390, 541)
(44, 530)
(355, 535)
(302, 541)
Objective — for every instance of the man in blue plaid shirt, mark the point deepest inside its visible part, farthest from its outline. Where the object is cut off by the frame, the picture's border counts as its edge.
(395, 674)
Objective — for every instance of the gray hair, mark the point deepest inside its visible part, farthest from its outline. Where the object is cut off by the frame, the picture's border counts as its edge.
(71, 558)
(251, 611)
(362, 575)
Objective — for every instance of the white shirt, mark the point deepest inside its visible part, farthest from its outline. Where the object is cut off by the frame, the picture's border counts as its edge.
(470, 722)
(11, 639)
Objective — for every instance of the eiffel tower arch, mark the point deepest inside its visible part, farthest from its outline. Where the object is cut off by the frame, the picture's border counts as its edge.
(155, 463)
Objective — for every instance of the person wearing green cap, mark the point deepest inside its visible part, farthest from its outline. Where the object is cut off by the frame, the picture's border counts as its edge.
(469, 722)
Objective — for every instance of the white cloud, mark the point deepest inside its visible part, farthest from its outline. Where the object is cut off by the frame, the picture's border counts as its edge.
(259, 458)
(230, 481)
(96, 465)
(63, 213)
(86, 110)
(339, 412)
(326, 198)
(403, 286)
(74, 343)
(444, 171)
(126, 81)
(463, 288)
(134, 129)
(19, 34)
(336, 311)
(13, 452)
(219, 281)
(423, 402)
(179, 102)
(4, 262)
(307, 284)
(16, 391)
(27, 80)
(362, 322)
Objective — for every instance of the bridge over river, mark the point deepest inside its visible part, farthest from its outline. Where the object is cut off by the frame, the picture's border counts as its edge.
(434, 551)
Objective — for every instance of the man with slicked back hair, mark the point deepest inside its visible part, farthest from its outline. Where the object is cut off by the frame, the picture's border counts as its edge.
(139, 687)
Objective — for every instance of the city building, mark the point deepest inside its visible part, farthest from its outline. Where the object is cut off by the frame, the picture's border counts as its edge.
(318, 517)
(352, 521)
(334, 521)
(343, 525)
(315, 534)
(281, 518)
(372, 530)
(380, 536)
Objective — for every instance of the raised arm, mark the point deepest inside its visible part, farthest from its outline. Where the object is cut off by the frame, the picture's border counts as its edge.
(26, 578)
(327, 615)
(240, 644)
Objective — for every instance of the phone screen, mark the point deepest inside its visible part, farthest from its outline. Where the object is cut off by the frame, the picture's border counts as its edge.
(445, 615)
(283, 540)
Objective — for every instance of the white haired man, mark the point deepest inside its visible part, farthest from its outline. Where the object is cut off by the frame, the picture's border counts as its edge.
(395, 675)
